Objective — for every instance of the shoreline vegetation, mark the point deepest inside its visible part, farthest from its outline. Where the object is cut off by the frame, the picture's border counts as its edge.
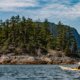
(23, 41)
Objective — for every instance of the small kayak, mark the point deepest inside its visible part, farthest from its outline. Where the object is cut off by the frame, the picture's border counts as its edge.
(68, 68)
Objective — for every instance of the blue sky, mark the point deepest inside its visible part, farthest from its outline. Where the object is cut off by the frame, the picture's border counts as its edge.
(67, 11)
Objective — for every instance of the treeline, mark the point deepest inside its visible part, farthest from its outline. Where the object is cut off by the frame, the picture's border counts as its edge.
(21, 35)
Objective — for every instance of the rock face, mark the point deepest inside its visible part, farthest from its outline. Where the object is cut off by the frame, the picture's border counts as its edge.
(53, 29)
(76, 35)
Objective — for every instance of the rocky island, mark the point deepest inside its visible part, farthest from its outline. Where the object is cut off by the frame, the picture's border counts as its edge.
(24, 41)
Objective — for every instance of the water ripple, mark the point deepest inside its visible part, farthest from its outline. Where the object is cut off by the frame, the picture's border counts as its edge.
(36, 72)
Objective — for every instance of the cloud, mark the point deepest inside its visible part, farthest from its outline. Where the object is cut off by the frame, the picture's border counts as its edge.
(60, 10)
(50, 8)
(56, 10)
(6, 5)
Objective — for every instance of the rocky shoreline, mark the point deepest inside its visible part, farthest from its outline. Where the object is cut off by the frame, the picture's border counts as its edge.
(4, 59)
(53, 57)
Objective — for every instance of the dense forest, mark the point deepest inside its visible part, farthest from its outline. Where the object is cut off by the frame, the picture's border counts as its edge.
(25, 36)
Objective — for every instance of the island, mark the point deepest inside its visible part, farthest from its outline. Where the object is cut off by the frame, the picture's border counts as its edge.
(24, 41)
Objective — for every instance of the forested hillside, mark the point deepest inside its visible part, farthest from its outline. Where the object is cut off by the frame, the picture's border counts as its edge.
(24, 36)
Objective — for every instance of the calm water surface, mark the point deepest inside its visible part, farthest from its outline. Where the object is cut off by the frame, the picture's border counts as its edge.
(36, 72)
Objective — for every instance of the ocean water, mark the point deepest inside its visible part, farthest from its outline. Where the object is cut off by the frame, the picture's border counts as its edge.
(36, 72)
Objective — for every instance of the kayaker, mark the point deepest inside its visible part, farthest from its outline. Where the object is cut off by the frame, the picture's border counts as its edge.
(78, 67)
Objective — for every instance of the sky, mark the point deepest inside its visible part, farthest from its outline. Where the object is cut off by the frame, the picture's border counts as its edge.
(66, 11)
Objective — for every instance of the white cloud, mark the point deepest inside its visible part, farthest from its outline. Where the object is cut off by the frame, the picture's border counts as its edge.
(6, 5)
(61, 11)
(55, 8)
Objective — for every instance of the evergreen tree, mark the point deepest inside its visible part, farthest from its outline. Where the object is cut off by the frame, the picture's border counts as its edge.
(32, 37)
